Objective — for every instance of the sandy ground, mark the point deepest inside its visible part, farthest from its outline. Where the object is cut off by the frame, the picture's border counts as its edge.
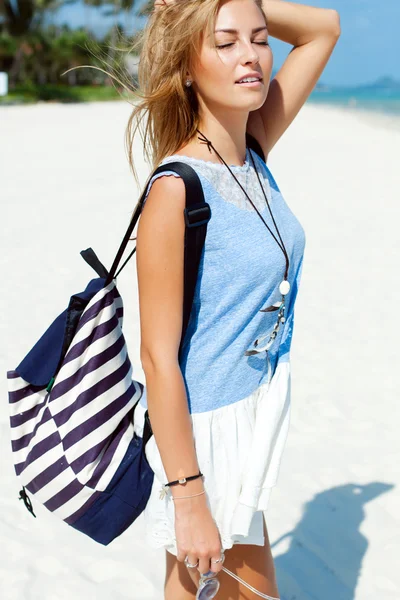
(334, 518)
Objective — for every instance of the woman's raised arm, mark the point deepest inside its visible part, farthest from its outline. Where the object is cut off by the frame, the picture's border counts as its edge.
(313, 33)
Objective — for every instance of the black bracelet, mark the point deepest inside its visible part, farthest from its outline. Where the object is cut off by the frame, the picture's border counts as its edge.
(184, 480)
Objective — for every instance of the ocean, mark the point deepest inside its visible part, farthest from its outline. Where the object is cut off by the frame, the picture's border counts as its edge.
(383, 101)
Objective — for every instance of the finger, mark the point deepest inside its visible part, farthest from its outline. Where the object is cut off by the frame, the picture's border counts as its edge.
(217, 567)
(192, 560)
(204, 565)
(181, 555)
(160, 4)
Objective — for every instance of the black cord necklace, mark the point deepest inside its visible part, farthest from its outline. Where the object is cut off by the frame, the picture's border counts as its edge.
(284, 286)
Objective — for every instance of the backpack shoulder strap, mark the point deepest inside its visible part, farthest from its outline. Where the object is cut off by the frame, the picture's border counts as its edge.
(197, 213)
(254, 145)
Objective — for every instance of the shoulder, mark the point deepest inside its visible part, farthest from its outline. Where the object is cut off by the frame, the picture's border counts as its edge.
(161, 226)
(163, 186)
(169, 181)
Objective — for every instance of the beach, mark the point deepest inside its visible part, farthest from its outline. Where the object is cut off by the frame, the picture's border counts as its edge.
(333, 518)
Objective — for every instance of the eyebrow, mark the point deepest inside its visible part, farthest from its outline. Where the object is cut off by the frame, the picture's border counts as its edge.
(256, 30)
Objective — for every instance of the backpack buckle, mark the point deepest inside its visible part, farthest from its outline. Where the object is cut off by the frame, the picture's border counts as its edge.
(197, 214)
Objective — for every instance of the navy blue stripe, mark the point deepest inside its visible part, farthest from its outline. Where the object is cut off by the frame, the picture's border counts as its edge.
(12, 374)
(25, 392)
(19, 467)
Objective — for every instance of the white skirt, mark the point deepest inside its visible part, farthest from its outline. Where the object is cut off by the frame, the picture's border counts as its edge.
(239, 449)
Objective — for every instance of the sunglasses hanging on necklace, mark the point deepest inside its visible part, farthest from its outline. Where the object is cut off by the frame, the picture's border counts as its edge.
(284, 286)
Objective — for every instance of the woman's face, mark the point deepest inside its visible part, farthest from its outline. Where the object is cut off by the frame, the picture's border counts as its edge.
(235, 55)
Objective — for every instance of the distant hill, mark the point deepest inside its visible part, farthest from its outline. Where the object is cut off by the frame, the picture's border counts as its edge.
(383, 83)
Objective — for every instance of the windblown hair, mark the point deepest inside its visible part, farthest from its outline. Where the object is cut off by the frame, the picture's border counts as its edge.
(168, 47)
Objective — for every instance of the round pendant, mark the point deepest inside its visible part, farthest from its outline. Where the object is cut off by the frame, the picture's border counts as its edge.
(284, 287)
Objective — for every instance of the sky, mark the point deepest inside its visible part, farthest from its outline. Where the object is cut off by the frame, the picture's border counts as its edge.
(368, 48)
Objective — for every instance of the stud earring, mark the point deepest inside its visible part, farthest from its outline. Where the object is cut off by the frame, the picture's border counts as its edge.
(188, 83)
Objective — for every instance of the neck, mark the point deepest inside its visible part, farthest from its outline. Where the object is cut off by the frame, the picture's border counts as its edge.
(227, 135)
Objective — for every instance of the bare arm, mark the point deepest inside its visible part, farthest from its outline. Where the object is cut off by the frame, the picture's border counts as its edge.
(160, 251)
(160, 259)
(313, 33)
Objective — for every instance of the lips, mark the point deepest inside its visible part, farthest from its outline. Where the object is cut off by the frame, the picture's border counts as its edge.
(253, 74)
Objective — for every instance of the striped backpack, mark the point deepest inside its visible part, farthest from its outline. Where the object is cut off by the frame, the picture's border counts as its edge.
(72, 399)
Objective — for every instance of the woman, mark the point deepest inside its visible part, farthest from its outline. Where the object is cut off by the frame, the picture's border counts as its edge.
(221, 414)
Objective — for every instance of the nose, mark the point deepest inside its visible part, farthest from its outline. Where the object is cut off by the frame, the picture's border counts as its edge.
(249, 54)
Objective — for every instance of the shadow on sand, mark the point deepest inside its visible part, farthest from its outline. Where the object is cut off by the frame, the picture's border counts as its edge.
(326, 549)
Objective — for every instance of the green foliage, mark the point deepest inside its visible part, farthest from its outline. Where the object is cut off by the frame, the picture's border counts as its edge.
(29, 93)
(8, 45)
(47, 61)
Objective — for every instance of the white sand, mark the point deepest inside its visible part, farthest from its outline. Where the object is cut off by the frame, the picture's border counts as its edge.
(334, 516)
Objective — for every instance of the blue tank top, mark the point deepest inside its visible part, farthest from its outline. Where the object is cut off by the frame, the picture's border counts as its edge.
(240, 270)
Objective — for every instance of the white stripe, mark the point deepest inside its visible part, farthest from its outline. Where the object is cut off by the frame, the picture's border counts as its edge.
(117, 458)
(99, 295)
(16, 383)
(43, 432)
(28, 426)
(88, 470)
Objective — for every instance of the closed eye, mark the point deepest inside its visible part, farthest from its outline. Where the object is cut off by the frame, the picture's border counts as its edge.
(231, 44)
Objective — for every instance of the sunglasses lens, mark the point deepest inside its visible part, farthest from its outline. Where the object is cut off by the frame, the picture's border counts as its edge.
(209, 590)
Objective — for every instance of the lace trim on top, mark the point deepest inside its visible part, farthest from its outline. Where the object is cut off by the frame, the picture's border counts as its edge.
(221, 179)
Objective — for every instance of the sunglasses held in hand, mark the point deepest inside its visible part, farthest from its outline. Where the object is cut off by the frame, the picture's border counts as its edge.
(209, 586)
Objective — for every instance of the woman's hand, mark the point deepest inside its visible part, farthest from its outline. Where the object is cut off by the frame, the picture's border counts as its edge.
(197, 535)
